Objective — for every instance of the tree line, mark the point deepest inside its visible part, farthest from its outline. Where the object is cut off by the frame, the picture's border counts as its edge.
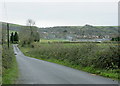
(14, 38)
(115, 39)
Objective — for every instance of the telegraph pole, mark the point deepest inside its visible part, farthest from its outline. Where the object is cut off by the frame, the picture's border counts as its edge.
(8, 34)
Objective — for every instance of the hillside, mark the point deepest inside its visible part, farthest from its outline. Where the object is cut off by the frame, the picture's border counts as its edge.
(78, 32)
(72, 32)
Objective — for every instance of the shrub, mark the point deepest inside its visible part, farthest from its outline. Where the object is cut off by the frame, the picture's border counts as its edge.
(87, 54)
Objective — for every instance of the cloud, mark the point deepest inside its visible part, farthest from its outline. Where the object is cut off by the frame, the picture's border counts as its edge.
(57, 14)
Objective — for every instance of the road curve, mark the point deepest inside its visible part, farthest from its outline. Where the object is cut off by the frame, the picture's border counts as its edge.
(34, 71)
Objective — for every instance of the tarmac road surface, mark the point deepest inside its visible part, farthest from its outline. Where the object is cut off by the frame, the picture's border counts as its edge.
(34, 71)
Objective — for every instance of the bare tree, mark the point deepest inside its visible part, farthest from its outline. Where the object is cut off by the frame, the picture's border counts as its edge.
(30, 22)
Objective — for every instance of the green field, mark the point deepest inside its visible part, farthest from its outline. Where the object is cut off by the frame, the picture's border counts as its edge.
(96, 58)
(52, 41)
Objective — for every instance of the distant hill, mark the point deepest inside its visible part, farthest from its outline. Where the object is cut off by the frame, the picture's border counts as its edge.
(13, 27)
(77, 32)
(72, 32)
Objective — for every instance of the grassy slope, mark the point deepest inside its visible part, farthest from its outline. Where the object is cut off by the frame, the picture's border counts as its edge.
(10, 74)
(106, 73)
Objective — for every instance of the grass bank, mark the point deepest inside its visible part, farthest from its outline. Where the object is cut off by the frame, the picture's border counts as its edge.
(0, 64)
(9, 66)
(100, 59)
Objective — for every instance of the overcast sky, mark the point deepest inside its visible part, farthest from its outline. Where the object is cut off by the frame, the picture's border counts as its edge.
(61, 12)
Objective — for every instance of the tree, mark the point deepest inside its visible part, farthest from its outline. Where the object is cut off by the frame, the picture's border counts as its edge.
(65, 31)
(29, 33)
(30, 23)
(16, 37)
(37, 37)
(34, 35)
(24, 36)
(115, 39)
(12, 38)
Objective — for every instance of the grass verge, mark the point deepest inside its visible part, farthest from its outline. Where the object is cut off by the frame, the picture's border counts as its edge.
(10, 67)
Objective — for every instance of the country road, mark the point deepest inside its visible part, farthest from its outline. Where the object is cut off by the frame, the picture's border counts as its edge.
(34, 71)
